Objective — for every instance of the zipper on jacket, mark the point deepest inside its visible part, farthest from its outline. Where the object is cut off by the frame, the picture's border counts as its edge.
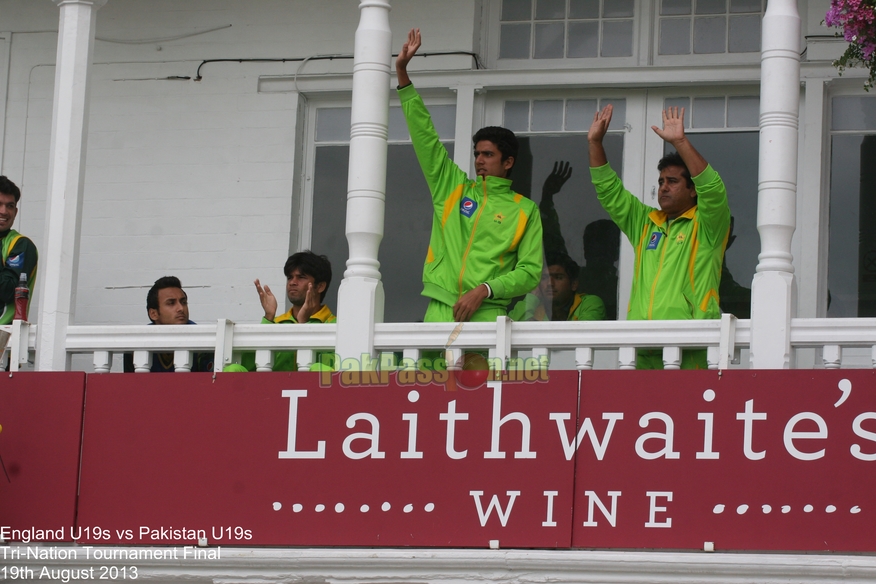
(471, 238)
(659, 270)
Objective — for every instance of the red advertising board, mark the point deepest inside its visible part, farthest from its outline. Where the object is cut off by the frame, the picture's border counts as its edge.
(41, 419)
(747, 460)
(296, 459)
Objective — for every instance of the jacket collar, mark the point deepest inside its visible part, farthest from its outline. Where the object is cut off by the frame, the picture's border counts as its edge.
(322, 315)
(658, 217)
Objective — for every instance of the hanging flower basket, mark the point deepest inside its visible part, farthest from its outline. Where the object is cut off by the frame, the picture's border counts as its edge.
(856, 18)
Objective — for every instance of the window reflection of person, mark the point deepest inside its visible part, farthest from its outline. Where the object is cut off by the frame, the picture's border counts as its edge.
(735, 298)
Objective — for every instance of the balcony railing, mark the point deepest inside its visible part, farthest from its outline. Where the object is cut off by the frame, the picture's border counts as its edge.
(503, 339)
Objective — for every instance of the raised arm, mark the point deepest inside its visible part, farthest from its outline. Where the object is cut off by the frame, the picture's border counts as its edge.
(405, 55)
(673, 132)
(598, 128)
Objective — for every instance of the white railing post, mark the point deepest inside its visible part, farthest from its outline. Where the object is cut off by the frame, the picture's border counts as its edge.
(360, 297)
(773, 290)
(60, 257)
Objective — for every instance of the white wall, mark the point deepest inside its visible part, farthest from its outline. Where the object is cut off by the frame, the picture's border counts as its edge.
(191, 178)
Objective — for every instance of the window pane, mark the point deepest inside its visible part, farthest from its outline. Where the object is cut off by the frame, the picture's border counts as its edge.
(852, 248)
(547, 115)
(680, 102)
(743, 112)
(745, 34)
(619, 115)
(618, 8)
(550, 9)
(444, 118)
(404, 245)
(517, 116)
(583, 8)
(579, 114)
(398, 127)
(735, 157)
(668, 7)
(709, 35)
(617, 38)
(583, 39)
(745, 5)
(549, 41)
(674, 36)
(708, 112)
(711, 6)
(514, 43)
(516, 10)
(853, 113)
(576, 206)
(333, 124)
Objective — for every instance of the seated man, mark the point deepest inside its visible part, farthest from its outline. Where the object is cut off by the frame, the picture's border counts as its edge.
(308, 277)
(167, 303)
(559, 284)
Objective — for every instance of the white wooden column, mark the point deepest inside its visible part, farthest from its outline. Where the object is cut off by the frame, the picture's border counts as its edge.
(59, 258)
(773, 290)
(360, 297)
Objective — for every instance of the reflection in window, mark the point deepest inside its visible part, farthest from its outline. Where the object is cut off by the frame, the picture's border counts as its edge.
(574, 29)
(709, 26)
(572, 218)
(735, 157)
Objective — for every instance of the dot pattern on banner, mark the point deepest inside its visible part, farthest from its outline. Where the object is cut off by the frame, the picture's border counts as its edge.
(766, 509)
(365, 508)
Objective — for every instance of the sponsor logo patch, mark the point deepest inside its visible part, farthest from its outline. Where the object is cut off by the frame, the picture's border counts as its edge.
(467, 207)
(655, 240)
(16, 261)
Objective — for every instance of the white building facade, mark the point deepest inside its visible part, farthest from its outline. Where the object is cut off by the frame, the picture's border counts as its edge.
(210, 139)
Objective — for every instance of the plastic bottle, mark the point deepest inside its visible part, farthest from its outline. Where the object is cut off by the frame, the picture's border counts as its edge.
(22, 294)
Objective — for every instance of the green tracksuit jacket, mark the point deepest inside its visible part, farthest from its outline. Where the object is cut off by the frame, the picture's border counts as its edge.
(19, 254)
(678, 264)
(482, 231)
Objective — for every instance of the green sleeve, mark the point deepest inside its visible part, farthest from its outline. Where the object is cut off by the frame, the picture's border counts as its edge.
(591, 308)
(713, 210)
(527, 272)
(628, 212)
(442, 174)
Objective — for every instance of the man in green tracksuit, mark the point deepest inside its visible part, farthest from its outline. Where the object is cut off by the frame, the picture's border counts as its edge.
(557, 297)
(485, 247)
(308, 277)
(680, 247)
(18, 254)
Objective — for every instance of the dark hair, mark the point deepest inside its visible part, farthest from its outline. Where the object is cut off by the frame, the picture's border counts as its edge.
(601, 241)
(317, 267)
(160, 284)
(503, 138)
(564, 261)
(675, 159)
(7, 187)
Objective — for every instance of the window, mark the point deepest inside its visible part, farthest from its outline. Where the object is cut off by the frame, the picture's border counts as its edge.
(704, 27)
(566, 29)
(408, 215)
(553, 132)
(852, 236)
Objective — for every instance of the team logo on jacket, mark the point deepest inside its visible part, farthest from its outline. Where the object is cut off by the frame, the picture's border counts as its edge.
(467, 207)
(655, 240)
(16, 261)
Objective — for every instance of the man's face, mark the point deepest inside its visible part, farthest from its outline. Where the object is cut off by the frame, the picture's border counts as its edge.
(561, 287)
(173, 307)
(674, 196)
(296, 286)
(8, 211)
(488, 160)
